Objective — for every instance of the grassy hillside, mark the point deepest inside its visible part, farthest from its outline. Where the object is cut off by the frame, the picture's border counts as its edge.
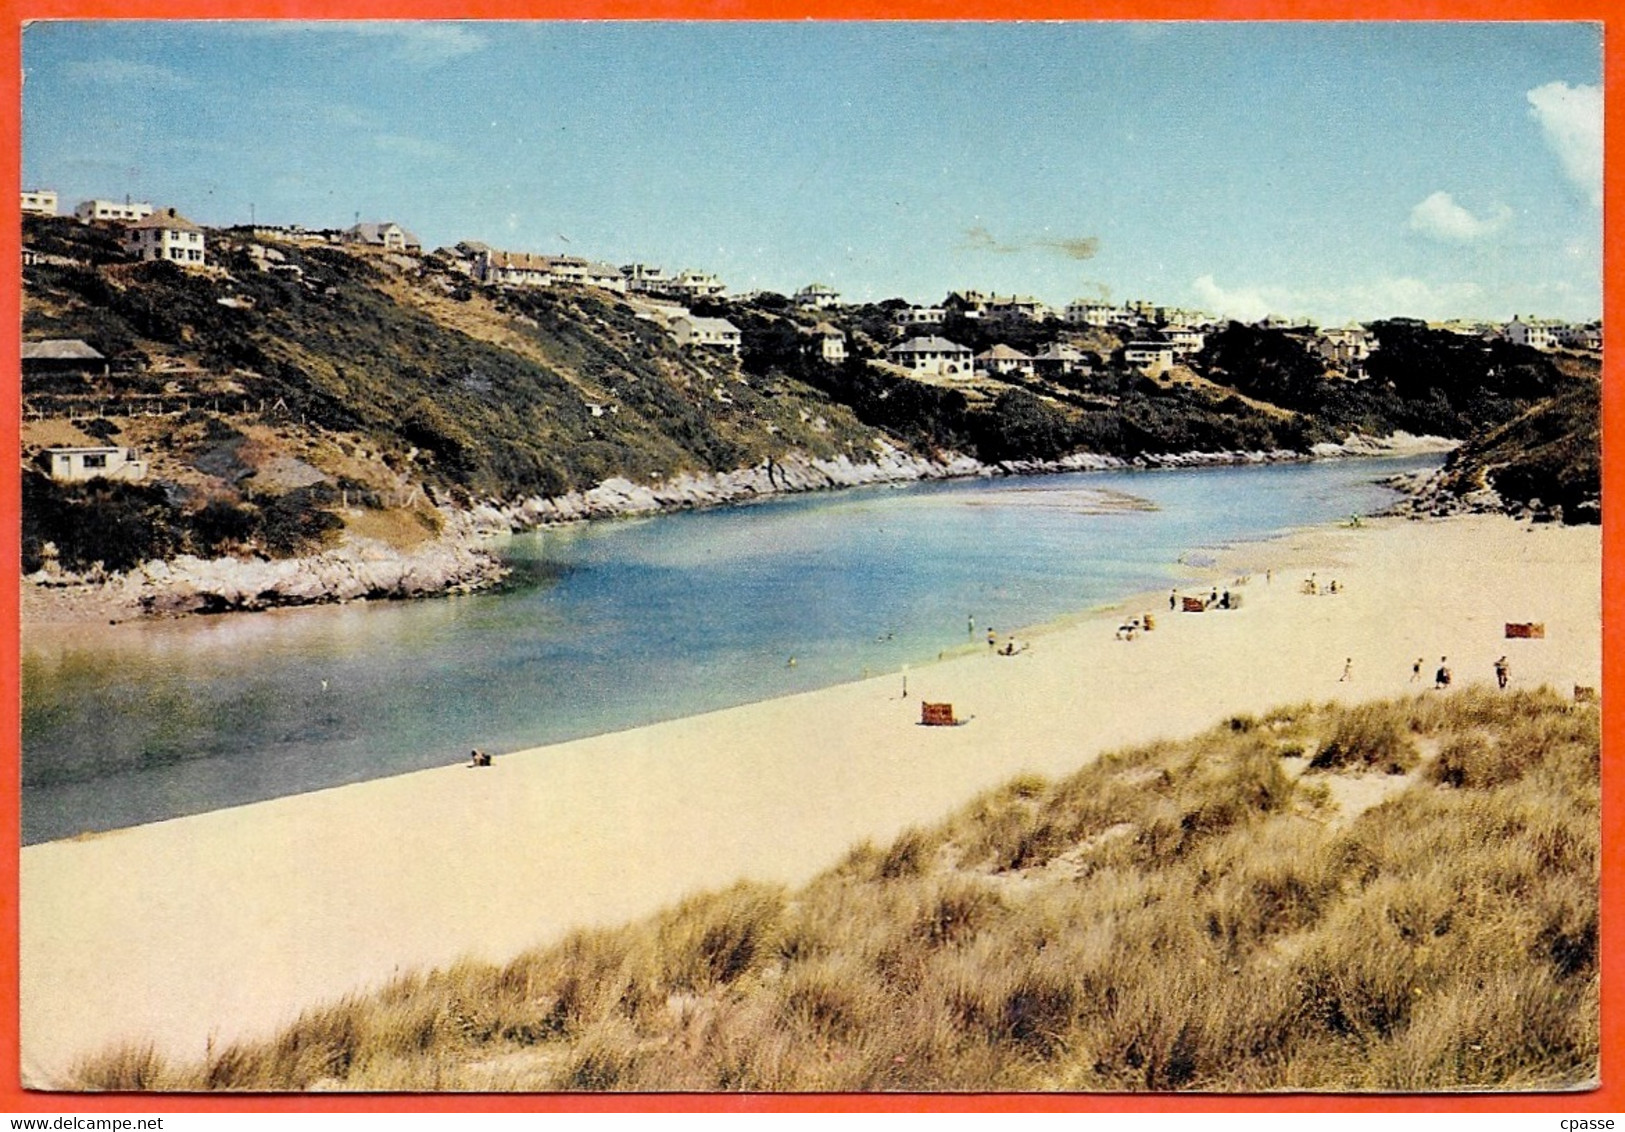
(304, 391)
(1392, 896)
(1549, 456)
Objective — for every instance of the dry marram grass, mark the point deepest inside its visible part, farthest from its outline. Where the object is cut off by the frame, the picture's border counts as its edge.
(1195, 916)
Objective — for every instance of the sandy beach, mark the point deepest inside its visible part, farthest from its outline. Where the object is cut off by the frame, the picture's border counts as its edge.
(205, 929)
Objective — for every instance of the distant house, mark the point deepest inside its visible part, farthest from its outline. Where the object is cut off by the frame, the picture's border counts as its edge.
(39, 202)
(74, 465)
(510, 269)
(710, 333)
(692, 285)
(1149, 357)
(1185, 340)
(1016, 308)
(1529, 332)
(384, 234)
(818, 296)
(1060, 358)
(1580, 337)
(1345, 345)
(969, 304)
(1002, 359)
(829, 343)
(61, 355)
(644, 278)
(1085, 312)
(89, 211)
(932, 355)
(919, 316)
(166, 235)
(585, 273)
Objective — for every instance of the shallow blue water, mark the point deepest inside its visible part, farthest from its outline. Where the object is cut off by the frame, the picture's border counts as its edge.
(610, 626)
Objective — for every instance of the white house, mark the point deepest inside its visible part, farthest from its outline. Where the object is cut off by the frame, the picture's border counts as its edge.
(819, 296)
(1581, 337)
(830, 343)
(1017, 308)
(919, 316)
(511, 269)
(124, 211)
(695, 285)
(585, 273)
(1345, 345)
(1529, 333)
(166, 235)
(1085, 312)
(644, 278)
(1185, 340)
(1002, 359)
(1149, 357)
(932, 355)
(1060, 358)
(73, 465)
(385, 234)
(711, 333)
(39, 202)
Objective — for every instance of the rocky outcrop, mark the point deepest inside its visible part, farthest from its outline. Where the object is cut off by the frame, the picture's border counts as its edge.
(358, 570)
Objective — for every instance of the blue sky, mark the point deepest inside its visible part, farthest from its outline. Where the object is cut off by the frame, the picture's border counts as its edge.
(1331, 170)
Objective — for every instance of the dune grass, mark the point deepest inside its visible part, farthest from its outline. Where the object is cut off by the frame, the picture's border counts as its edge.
(1190, 916)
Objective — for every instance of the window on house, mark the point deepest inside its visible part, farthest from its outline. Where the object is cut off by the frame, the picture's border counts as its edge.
(96, 460)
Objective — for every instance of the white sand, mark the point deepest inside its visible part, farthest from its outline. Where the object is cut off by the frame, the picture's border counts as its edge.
(224, 925)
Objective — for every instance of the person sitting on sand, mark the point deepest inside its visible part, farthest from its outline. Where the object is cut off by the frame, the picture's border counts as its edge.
(477, 757)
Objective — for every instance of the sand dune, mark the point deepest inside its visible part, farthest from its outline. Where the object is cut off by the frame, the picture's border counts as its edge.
(212, 927)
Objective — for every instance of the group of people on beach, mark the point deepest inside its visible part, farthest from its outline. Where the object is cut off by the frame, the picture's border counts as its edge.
(1312, 586)
(1442, 675)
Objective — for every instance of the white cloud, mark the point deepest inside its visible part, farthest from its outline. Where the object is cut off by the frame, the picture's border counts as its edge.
(1571, 119)
(1440, 217)
(1384, 297)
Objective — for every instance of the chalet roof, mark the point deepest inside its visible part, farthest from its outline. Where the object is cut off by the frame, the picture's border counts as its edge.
(1001, 352)
(60, 349)
(713, 325)
(168, 220)
(521, 261)
(1059, 351)
(930, 344)
(370, 233)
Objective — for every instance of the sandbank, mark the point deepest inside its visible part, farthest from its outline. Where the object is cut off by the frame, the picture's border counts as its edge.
(198, 931)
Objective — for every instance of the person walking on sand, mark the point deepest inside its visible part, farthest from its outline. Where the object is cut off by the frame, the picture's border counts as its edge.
(1416, 670)
(992, 638)
(1502, 671)
(1173, 600)
(1348, 670)
(1441, 678)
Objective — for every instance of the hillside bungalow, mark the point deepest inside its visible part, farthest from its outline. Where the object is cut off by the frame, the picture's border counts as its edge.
(970, 304)
(829, 343)
(510, 269)
(166, 235)
(75, 465)
(711, 333)
(39, 202)
(574, 270)
(818, 296)
(1580, 337)
(1185, 340)
(1002, 360)
(385, 234)
(1149, 357)
(1345, 345)
(89, 211)
(61, 355)
(919, 316)
(1530, 332)
(692, 285)
(1060, 358)
(1016, 308)
(644, 278)
(932, 355)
